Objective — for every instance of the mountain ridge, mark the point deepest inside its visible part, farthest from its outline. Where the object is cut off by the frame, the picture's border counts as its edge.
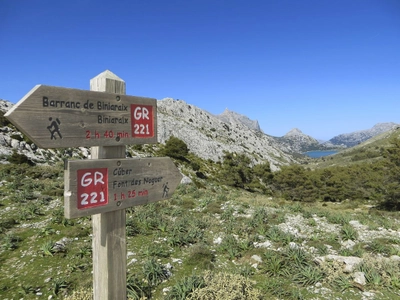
(299, 142)
(208, 136)
(229, 116)
(356, 137)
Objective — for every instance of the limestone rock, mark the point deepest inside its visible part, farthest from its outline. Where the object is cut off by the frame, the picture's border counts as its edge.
(232, 118)
(257, 258)
(359, 278)
(186, 179)
(349, 262)
(5, 105)
(299, 142)
(208, 136)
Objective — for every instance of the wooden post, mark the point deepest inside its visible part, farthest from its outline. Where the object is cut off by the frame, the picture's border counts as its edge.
(109, 233)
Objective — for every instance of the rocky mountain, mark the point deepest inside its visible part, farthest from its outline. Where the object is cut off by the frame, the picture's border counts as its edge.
(299, 142)
(231, 117)
(9, 138)
(5, 105)
(357, 137)
(208, 136)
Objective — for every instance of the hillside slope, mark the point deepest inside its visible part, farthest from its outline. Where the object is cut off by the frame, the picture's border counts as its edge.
(368, 151)
(208, 137)
(354, 138)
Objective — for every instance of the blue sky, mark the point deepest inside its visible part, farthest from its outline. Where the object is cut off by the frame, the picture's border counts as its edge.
(325, 67)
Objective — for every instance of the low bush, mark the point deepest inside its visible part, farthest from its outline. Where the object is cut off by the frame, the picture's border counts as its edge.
(17, 158)
(226, 286)
(185, 287)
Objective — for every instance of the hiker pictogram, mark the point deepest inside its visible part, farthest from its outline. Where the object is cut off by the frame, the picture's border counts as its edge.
(54, 128)
(165, 190)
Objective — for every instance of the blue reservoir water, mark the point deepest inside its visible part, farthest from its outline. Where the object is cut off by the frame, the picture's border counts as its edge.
(320, 153)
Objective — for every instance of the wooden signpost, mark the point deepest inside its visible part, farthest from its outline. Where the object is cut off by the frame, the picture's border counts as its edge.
(107, 119)
(99, 186)
(55, 117)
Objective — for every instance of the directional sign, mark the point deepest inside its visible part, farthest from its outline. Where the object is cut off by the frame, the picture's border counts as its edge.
(55, 117)
(103, 185)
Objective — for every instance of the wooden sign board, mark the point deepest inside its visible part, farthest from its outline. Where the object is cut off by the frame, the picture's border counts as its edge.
(55, 117)
(103, 185)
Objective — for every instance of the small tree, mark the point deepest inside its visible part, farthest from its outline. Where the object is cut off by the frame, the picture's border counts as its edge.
(17, 158)
(236, 170)
(263, 171)
(175, 148)
(294, 183)
(3, 120)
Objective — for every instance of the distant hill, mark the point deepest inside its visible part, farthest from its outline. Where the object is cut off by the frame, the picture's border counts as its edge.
(299, 142)
(365, 152)
(357, 137)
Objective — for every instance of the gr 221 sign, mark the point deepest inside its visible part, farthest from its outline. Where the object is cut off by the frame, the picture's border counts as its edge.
(92, 187)
(102, 185)
(54, 117)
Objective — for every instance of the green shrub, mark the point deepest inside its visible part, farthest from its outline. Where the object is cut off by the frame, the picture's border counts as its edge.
(275, 234)
(3, 120)
(297, 258)
(348, 232)
(17, 158)
(136, 289)
(273, 263)
(17, 137)
(175, 148)
(195, 166)
(382, 246)
(155, 250)
(236, 170)
(213, 208)
(6, 223)
(342, 282)
(391, 199)
(154, 272)
(201, 256)
(226, 286)
(47, 248)
(60, 285)
(185, 287)
(230, 246)
(281, 288)
(132, 227)
(308, 275)
(185, 237)
(10, 241)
